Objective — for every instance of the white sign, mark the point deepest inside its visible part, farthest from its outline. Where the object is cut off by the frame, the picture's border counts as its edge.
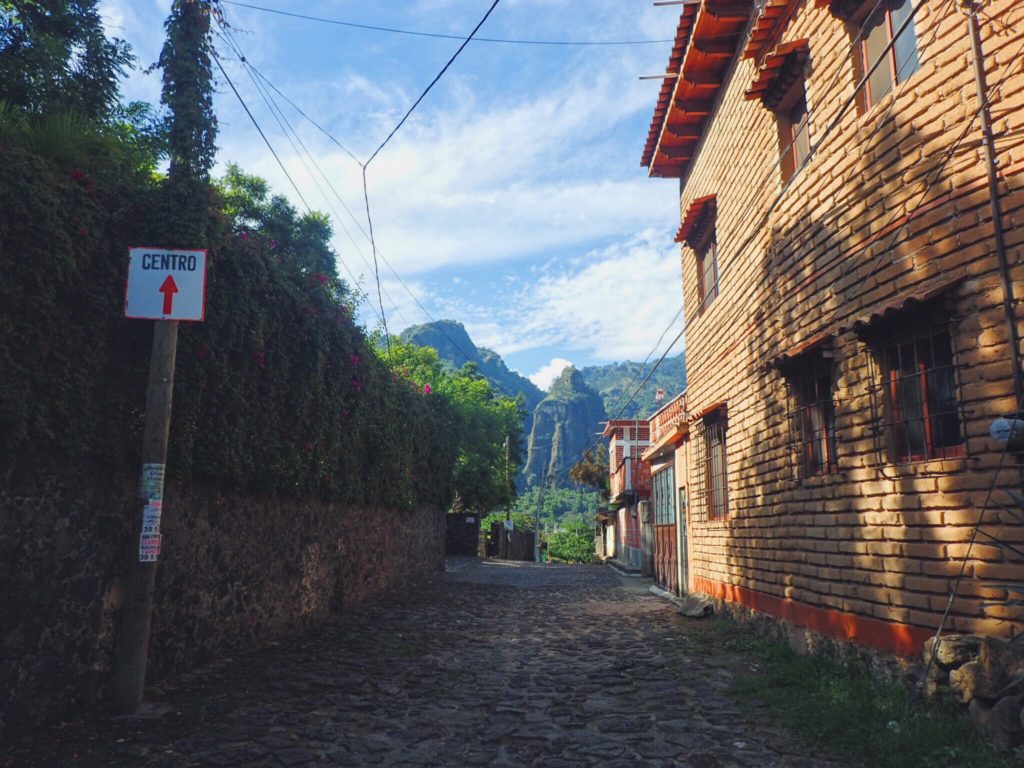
(151, 514)
(151, 486)
(510, 525)
(149, 548)
(166, 285)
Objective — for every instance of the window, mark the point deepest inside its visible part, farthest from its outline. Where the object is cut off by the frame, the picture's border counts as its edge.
(794, 137)
(716, 501)
(814, 419)
(919, 379)
(873, 29)
(663, 491)
(707, 268)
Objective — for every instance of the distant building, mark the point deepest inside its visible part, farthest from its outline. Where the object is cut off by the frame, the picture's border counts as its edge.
(666, 456)
(851, 323)
(630, 484)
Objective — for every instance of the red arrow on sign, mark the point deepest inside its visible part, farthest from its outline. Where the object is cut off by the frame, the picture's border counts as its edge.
(168, 289)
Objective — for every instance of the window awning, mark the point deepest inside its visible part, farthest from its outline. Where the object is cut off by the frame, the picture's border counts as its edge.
(694, 213)
(810, 344)
(919, 294)
(715, 409)
(779, 69)
(767, 26)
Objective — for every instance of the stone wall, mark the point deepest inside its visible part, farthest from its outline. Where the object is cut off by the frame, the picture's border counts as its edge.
(893, 205)
(236, 572)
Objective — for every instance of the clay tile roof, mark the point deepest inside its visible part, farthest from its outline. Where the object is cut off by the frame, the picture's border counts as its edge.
(705, 45)
(694, 211)
(768, 24)
(904, 300)
(668, 85)
(811, 343)
(772, 65)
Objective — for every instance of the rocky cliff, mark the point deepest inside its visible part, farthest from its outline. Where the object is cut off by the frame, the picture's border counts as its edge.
(564, 425)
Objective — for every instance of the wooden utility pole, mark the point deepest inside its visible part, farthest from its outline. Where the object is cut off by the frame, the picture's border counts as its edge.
(167, 286)
(133, 649)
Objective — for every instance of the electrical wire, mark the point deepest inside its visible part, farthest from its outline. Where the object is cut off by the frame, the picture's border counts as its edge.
(393, 30)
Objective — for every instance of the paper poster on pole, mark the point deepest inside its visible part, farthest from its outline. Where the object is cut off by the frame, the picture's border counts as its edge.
(151, 518)
(151, 485)
(149, 548)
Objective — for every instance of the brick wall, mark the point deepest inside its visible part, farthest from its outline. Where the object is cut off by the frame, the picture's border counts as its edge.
(877, 539)
(236, 572)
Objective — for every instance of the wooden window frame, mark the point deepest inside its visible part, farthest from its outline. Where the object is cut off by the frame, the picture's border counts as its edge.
(858, 21)
(706, 248)
(663, 493)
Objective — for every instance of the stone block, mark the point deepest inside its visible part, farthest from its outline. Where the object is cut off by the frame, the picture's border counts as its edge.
(965, 681)
(953, 650)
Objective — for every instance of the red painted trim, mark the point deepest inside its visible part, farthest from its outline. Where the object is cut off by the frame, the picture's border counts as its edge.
(902, 639)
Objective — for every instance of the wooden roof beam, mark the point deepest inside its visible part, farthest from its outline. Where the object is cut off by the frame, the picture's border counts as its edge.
(677, 153)
(694, 107)
(689, 131)
(716, 46)
(729, 11)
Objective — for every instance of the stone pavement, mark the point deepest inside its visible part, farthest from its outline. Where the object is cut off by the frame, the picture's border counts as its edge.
(488, 664)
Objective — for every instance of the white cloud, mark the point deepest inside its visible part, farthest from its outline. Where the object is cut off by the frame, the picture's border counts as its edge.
(550, 372)
(612, 304)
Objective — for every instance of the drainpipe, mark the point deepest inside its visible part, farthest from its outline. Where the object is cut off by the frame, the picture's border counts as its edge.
(991, 162)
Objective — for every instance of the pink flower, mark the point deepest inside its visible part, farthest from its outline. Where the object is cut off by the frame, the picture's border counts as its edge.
(273, 243)
(426, 389)
(355, 359)
(344, 413)
(243, 236)
(320, 278)
(356, 383)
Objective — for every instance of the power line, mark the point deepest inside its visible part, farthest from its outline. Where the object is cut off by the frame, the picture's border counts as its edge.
(394, 30)
(248, 65)
(273, 152)
(366, 189)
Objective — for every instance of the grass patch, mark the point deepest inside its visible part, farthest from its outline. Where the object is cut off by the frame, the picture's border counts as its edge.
(841, 710)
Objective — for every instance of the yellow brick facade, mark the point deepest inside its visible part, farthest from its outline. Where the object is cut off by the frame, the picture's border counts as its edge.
(895, 200)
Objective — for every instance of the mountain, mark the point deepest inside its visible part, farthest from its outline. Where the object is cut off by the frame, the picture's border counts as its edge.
(617, 381)
(455, 348)
(564, 425)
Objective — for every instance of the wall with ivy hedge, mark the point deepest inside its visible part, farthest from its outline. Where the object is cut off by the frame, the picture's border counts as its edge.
(278, 390)
(304, 477)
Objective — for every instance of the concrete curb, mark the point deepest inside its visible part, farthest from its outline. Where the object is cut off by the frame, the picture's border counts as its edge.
(623, 570)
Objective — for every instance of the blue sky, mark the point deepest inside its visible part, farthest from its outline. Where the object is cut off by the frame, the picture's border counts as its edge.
(512, 200)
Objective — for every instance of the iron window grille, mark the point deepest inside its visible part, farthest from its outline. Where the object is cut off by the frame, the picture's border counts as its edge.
(919, 385)
(714, 474)
(813, 420)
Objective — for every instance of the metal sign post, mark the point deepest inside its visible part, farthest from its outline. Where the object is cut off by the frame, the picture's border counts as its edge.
(157, 281)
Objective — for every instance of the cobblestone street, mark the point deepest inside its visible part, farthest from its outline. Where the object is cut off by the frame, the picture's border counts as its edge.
(489, 664)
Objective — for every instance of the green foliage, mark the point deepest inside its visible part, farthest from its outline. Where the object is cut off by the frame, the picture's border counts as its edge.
(616, 382)
(840, 709)
(573, 544)
(592, 470)
(482, 421)
(54, 57)
(278, 390)
(186, 60)
(554, 506)
(522, 520)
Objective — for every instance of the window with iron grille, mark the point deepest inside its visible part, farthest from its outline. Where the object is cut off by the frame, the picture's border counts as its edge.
(873, 24)
(664, 497)
(712, 493)
(919, 385)
(813, 419)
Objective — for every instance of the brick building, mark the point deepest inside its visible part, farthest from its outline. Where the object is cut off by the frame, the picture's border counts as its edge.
(630, 488)
(848, 326)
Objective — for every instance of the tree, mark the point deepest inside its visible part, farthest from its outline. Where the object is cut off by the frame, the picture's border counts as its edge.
(55, 57)
(592, 470)
(484, 471)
